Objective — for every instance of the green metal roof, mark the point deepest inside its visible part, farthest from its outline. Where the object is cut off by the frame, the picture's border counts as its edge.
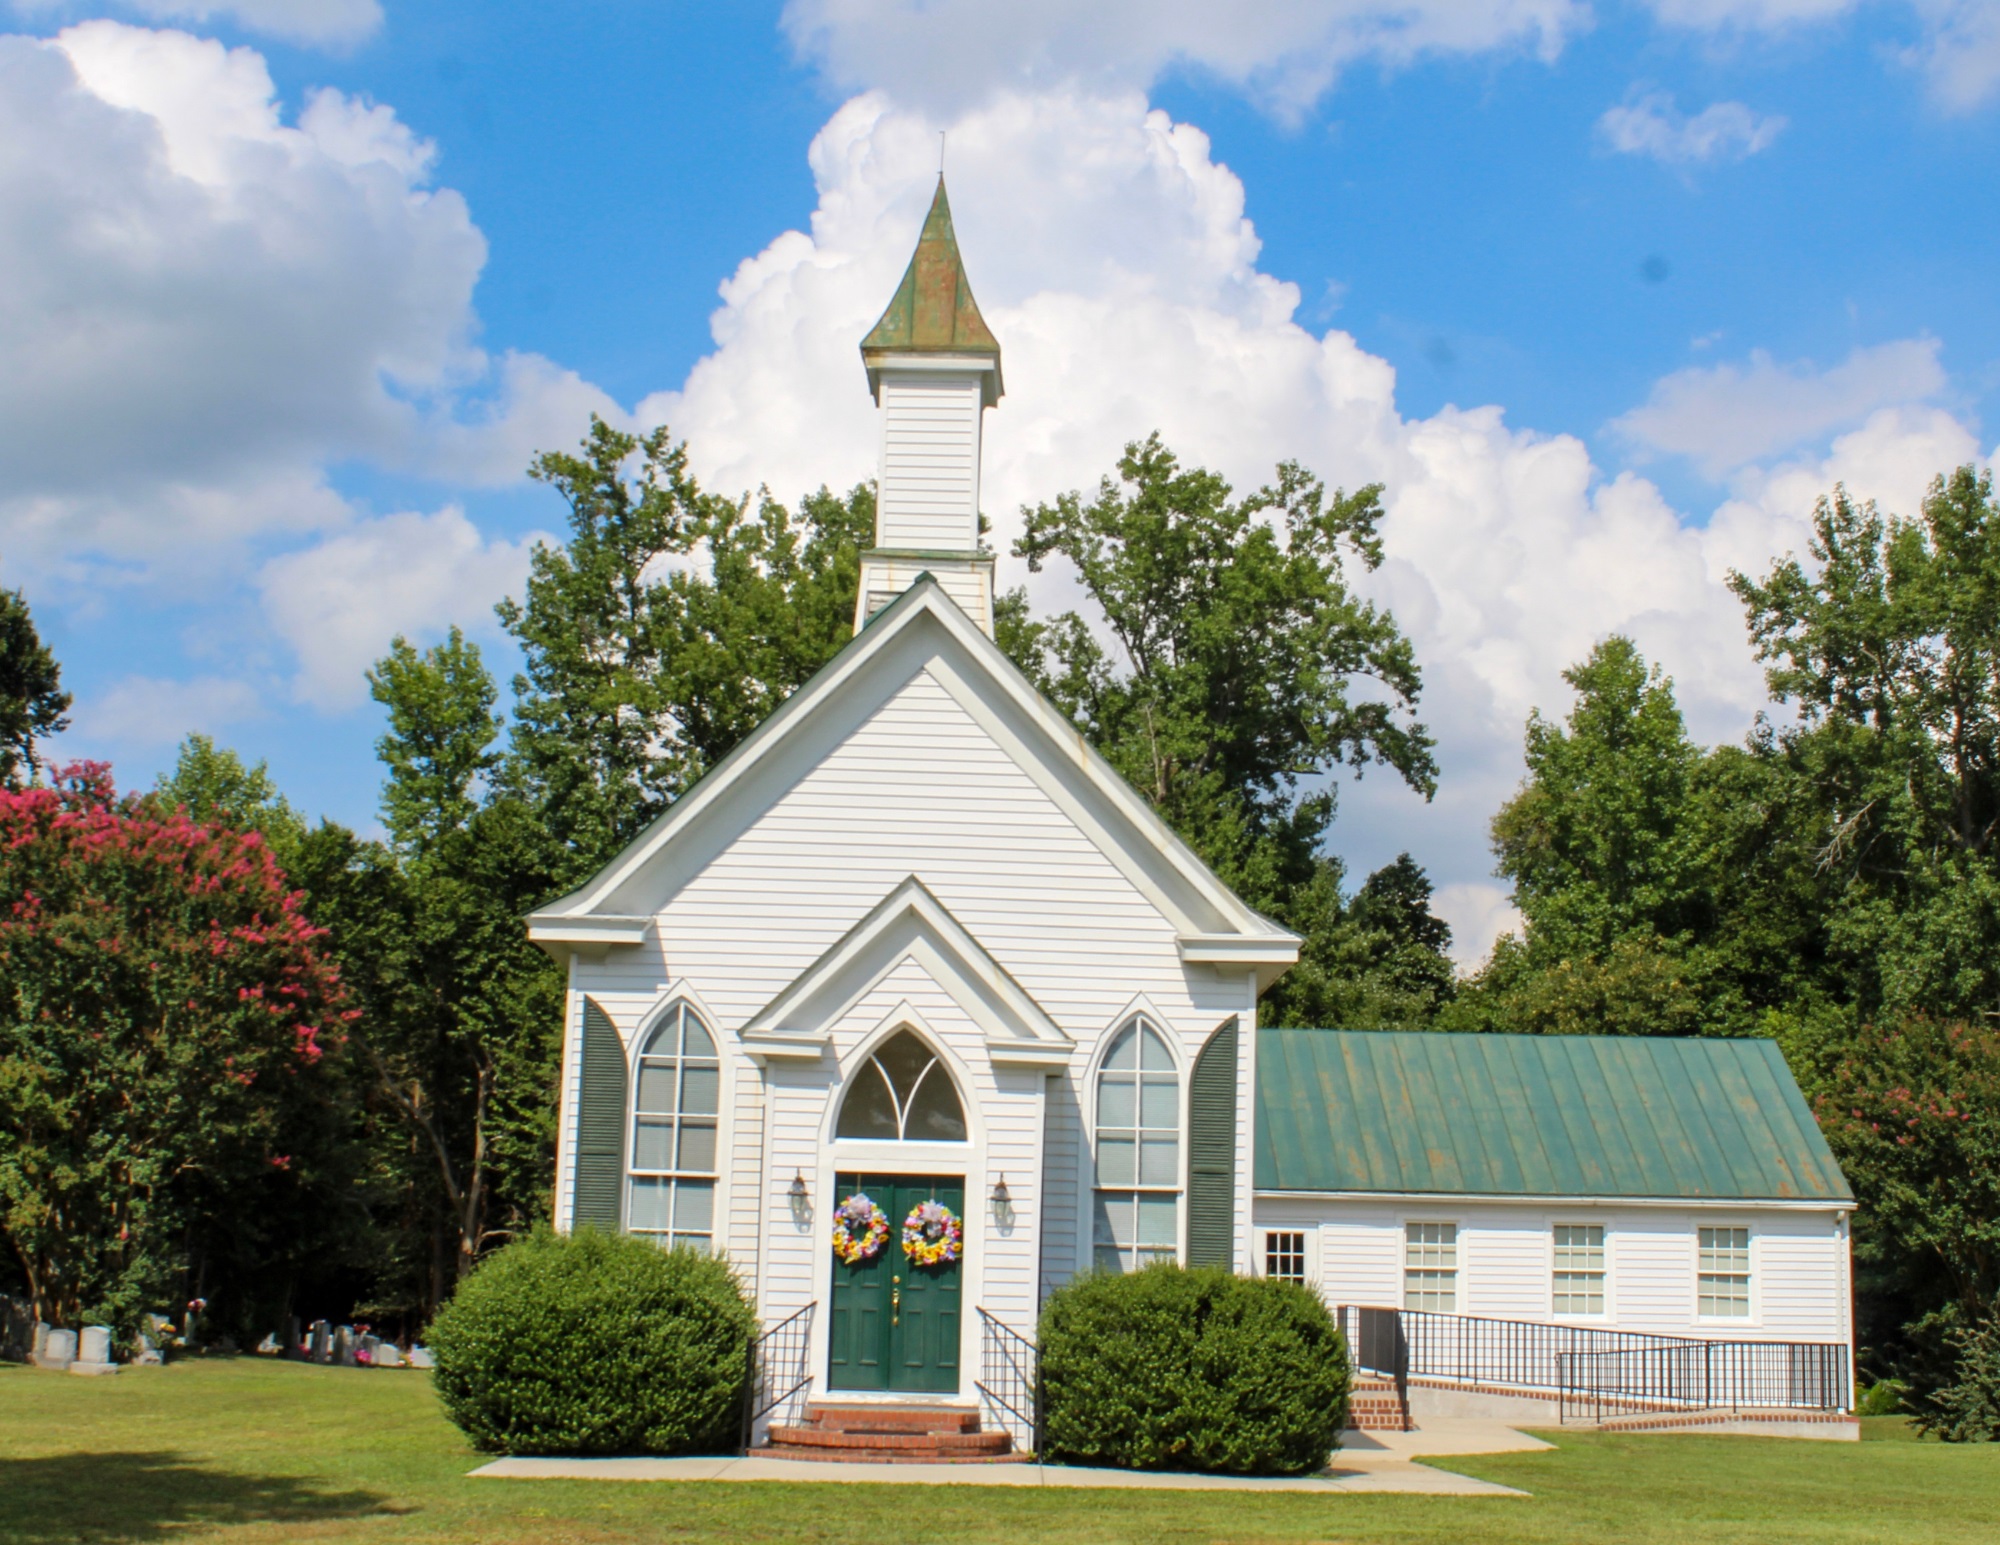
(933, 311)
(1535, 1115)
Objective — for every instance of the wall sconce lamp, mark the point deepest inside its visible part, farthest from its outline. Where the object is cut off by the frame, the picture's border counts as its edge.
(1003, 1204)
(801, 1202)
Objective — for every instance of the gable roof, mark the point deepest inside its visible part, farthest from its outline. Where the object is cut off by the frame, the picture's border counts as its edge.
(922, 629)
(908, 924)
(932, 311)
(1416, 1112)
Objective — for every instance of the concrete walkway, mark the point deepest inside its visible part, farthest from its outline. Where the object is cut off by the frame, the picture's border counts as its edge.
(1367, 1461)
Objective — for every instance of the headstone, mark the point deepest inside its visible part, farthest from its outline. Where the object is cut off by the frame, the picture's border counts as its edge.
(343, 1346)
(386, 1356)
(93, 1353)
(420, 1357)
(58, 1351)
(322, 1342)
(296, 1346)
(42, 1329)
(269, 1347)
(148, 1355)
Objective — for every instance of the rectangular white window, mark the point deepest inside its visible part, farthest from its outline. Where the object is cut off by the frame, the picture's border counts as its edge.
(1430, 1267)
(1285, 1255)
(1723, 1290)
(1579, 1271)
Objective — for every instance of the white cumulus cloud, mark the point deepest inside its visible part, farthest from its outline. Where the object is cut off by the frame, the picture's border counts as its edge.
(950, 53)
(339, 602)
(1649, 124)
(144, 712)
(208, 304)
(327, 23)
(1726, 415)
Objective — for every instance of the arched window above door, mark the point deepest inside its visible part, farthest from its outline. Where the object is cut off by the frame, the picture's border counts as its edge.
(903, 1093)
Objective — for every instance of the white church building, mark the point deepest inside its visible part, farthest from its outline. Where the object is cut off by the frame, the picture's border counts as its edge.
(915, 941)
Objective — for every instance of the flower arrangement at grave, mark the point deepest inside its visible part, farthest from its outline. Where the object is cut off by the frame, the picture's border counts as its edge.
(932, 1234)
(860, 1229)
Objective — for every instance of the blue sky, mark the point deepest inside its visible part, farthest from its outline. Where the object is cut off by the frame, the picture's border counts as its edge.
(1604, 295)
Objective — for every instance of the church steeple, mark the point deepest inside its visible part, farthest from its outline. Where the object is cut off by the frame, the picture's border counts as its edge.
(933, 368)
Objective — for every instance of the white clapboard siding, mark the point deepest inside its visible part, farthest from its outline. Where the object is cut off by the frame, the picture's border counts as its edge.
(1506, 1261)
(918, 787)
(928, 493)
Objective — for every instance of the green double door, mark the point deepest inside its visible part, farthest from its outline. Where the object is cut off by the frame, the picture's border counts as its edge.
(895, 1324)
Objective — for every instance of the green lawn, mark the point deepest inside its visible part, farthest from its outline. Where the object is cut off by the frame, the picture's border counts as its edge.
(246, 1451)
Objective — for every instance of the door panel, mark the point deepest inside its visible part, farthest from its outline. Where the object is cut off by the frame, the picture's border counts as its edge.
(895, 1325)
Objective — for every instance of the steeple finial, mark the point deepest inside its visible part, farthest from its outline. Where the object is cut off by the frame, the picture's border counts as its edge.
(932, 311)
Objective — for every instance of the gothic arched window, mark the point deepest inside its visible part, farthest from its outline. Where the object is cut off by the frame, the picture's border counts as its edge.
(1137, 1208)
(903, 1093)
(675, 1100)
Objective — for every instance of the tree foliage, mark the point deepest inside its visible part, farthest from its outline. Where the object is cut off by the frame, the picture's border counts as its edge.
(33, 705)
(669, 625)
(1219, 665)
(171, 1031)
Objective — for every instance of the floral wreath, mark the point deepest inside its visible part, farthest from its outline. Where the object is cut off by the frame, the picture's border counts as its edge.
(860, 1229)
(932, 1234)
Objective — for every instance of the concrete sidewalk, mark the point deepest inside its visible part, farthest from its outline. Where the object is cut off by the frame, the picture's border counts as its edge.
(1370, 1461)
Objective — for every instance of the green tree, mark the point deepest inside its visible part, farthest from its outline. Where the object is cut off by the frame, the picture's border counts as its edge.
(466, 1033)
(1912, 1110)
(1379, 960)
(212, 784)
(1888, 649)
(171, 1032)
(1218, 670)
(32, 702)
(668, 627)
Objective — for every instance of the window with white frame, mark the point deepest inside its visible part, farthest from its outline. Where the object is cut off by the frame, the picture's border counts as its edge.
(1579, 1269)
(1723, 1283)
(902, 1093)
(1138, 1201)
(1430, 1267)
(675, 1100)
(1285, 1255)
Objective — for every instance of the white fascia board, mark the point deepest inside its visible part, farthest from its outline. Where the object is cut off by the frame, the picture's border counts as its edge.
(587, 934)
(1031, 1055)
(1062, 754)
(879, 362)
(1518, 1199)
(1263, 955)
(768, 1046)
(911, 923)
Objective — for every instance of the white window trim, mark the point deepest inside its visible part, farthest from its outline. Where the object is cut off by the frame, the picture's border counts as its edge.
(1609, 1313)
(1139, 1008)
(1460, 1274)
(1308, 1248)
(1754, 1319)
(678, 996)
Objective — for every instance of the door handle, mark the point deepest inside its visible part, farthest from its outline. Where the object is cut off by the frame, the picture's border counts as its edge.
(895, 1300)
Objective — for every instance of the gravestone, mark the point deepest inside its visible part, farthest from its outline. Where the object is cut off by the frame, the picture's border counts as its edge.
(386, 1355)
(41, 1341)
(58, 1351)
(343, 1346)
(93, 1353)
(420, 1357)
(148, 1355)
(322, 1342)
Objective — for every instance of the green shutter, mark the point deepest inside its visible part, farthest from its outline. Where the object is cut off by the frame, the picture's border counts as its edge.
(600, 1122)
(1212, 1152)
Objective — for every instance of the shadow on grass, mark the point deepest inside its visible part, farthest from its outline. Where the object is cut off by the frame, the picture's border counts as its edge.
(153, 1496)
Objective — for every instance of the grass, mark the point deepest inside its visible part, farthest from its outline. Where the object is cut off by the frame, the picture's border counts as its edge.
(249, 1452)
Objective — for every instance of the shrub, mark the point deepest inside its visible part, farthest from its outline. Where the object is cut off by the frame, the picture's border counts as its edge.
(1195, 1369)
(1968, 1409)
(594, 1343)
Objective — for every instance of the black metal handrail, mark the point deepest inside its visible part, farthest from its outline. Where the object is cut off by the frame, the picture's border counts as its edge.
(1010, 1376)
(780, 1365)
(1708, 1376)
(1583, 1366)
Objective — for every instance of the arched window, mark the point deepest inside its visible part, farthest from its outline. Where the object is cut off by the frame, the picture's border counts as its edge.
(902, 1093)
(674, 1103)
(1138, 1199)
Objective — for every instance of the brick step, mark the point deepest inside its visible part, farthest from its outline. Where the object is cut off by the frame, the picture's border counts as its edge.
(885, 1418)
(886, 1456)
(821, 1440)
(1372, 1405)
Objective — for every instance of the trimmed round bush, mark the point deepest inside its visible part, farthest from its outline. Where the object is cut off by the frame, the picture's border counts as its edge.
(592, 1343)
(1173, 1368)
